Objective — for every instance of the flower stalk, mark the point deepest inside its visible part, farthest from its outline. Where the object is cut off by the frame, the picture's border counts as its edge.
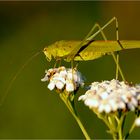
(70, 105)
(66, 82)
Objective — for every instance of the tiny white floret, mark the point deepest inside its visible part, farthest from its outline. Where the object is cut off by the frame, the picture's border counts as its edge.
(51, 85)
(59, 85)
(69, 86)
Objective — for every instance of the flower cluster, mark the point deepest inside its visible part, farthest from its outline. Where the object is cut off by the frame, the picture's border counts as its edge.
(111, 96)
(63, 79)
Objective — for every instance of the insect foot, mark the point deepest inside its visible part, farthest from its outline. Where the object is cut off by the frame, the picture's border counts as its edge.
(63, 79)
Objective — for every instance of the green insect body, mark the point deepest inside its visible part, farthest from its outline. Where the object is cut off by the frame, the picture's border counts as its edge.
(95, 49)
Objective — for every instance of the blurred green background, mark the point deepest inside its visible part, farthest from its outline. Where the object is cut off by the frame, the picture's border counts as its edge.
(30, 110)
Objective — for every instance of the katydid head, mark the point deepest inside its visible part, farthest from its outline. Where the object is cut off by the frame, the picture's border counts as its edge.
(47, 54)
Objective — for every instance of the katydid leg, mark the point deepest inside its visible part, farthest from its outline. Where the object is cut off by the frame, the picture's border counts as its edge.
(116, 58)
(85, 41)
(58, 61)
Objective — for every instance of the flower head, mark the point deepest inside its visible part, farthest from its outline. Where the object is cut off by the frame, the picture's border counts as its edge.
(63, 79)
(111, 96)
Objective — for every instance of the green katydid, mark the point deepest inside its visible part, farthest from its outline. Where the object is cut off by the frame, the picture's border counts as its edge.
(69, 50)
(88, 49)
(84, 50)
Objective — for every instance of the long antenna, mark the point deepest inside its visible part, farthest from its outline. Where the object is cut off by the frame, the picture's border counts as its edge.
(15, 76)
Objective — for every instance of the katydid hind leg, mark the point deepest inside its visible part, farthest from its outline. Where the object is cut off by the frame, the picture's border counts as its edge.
(116, 58)
(114, 19)
(117, 55)
(96, 25)
(90, 37)
(74, 52)
(117, 69)
(103, 27)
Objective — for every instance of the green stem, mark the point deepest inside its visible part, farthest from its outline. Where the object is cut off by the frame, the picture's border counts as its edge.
(82, 127)
(109, 124)
(74, 114)
(120, 134)
(130, 131)
(120, 125)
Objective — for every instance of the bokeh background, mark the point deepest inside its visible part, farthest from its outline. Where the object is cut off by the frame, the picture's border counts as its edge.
(30, 110)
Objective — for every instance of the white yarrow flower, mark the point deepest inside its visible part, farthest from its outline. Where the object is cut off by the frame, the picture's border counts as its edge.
(107, 108)
(69, 86)
(104, 95)
(63, 79)
(51, 85)
(44, 79)
(111, 96)
(59, 85)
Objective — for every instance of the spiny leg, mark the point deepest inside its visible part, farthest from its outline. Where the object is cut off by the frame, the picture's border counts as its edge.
(58, 60)
(116, 59)
(76, 66)
(72, 64)
(106, 25)
(96, 25)
(72, 54)
(76, 51)
(117, 56)
(105, 38)
(55, 64)
(117, 66)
